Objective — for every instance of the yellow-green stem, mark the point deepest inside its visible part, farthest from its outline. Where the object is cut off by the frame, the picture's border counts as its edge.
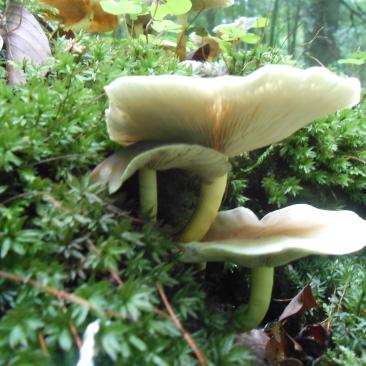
(252, 314)
(148, 193)
(206, 211)
(182, 37)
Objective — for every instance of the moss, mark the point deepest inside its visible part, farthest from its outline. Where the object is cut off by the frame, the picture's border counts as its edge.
(59, 230)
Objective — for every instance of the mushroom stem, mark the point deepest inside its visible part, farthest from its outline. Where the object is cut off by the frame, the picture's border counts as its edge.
(148, 192)
(182, 37)
(261, 283)
(206, 211)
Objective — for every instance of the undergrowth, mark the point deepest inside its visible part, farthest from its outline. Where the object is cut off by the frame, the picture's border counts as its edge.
(71, 254)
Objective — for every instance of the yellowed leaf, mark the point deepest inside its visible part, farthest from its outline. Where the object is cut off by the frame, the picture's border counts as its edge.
(82, 14)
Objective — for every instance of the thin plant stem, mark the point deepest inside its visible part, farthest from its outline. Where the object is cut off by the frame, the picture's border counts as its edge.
(189, 339)
(182, 37)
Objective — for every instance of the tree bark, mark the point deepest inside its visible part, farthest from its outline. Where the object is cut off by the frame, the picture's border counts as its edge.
(292, 27)
(321, 25)
(273, 23)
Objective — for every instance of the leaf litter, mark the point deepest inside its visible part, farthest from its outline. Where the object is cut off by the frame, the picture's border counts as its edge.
(290, 341)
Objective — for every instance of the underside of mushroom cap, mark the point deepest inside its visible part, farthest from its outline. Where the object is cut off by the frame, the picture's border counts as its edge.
(279, 238)
(231, 114)
(208, 164)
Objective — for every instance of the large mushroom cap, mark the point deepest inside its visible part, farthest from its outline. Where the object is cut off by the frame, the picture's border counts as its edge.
(231, 114)
(83, 14)
(208, 4)
(280, 237)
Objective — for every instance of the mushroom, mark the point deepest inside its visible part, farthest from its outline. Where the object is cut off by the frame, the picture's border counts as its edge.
(147, 158)
(82, 14)
(197, 5)
(278, 238)
(230, 114)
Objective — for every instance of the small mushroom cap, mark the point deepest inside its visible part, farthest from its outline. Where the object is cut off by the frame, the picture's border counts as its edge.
(83, 14)
(115, 170)
(209, 4)
(279, 237)
(231, 114)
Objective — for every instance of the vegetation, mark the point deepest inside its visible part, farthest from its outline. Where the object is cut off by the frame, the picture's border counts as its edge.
(70, 253)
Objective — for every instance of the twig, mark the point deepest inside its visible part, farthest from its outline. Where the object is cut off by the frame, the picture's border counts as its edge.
(200, 356)
(43, 344)
(75, 334)
(113, 273)
(316, 60)
(151, 20)
(46, 195)
(342, 296)
(60, 294)
(350, 157)
(49, 160)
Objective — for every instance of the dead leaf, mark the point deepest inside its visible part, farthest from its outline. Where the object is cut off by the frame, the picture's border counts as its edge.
(74, 47)
(82, 14)
(289, 362)
(276, 347)
(200, 54)
(302, 301)
(24, 41)
(314, 340)
(256, 340)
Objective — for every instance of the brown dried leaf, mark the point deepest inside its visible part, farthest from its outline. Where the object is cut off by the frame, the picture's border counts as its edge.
(74, 47)
(276, 346)
(256, 340)
(82, 14)
(24, 41)
(289, 362)
(314, 340)
(302, 301)
(200, 54)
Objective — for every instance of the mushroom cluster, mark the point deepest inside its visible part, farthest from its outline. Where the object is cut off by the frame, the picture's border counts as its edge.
(196, 124)
(162, 119)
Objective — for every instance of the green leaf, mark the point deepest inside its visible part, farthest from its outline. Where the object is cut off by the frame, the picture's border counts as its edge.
(233, 33)
(351, 61)
(179, 7)
(138, 343)
(159, 11)
(166, 26)
(260, 22)
(171, 7)
(65, 340)
(250, 38)
(121, 7)
(5, 247)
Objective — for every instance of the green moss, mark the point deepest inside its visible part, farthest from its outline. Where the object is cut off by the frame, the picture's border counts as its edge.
(59, 230)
